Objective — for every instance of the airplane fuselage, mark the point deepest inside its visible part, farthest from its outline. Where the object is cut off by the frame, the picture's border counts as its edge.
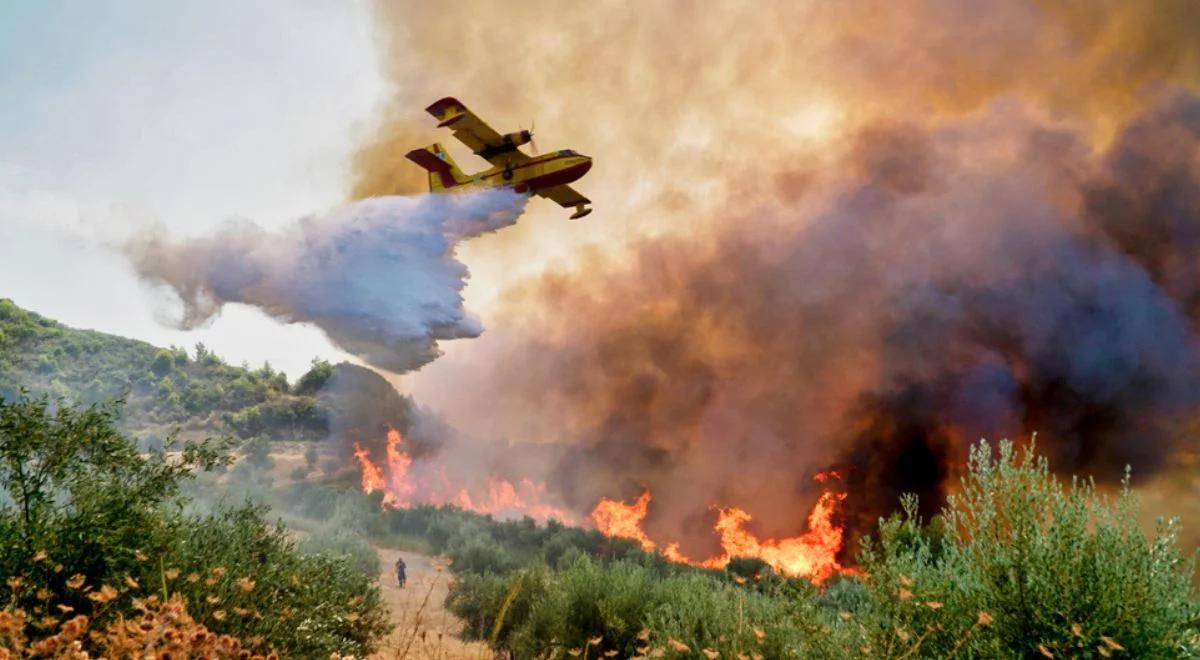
(536, 173)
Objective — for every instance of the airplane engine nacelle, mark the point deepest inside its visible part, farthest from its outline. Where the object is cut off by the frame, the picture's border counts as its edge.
(518, 138)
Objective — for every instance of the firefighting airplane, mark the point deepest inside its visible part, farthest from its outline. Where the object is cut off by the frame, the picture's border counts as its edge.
(546, 175)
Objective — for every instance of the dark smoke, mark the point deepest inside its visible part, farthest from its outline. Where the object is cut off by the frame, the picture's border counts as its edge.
(1147, 197)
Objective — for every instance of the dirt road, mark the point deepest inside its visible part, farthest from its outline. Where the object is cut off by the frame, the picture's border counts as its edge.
(424, 629)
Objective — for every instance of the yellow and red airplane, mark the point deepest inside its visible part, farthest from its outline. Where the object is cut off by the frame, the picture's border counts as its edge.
(546, 175)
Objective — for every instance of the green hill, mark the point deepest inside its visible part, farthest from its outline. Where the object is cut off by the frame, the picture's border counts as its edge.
(167, 389)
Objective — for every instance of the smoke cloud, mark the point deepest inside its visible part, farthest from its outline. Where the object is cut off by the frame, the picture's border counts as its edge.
(378, 276)
(856, 234)
(949, 286)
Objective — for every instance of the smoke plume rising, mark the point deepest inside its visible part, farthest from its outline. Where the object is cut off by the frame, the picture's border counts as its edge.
(378, 276)
(949, 285)
(856, 234)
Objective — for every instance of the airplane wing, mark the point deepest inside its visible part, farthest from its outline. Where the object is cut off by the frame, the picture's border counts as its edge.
(474, 132)
(565, 195)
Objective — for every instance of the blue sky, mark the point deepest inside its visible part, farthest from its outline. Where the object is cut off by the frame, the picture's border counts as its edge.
(121, 115)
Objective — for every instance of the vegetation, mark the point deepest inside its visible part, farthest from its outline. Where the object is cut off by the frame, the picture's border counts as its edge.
(162, 387)
(1018, 565)
(165, 628)
(91, 528)
(103, 544)
(1028, 567)
(628, 608)
(473, 542)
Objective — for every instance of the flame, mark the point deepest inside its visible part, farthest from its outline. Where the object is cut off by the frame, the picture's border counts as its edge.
(503, 496)
(372, 476)
(615, 518)
(812, 554)
(405, 485)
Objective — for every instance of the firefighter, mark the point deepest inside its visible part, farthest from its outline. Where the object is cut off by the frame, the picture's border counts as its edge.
(400, 575)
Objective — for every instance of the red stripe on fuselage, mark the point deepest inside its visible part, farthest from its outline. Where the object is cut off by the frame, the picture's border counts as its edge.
(541, 161)
(565, 175)
(556, 178)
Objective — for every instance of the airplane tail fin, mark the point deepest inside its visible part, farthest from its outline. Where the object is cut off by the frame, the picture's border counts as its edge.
(444, 173)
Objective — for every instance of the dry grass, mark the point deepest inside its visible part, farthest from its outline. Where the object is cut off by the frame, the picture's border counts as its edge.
(424, 629)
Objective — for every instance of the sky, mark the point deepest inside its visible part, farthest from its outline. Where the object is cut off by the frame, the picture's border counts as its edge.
(119, 116)
(123, 116)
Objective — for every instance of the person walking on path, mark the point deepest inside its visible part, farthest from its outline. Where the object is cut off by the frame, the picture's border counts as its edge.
(400, 575)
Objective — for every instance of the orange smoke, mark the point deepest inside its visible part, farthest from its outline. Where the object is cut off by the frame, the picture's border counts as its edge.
(772, 286)
(812, 554)
(404, 487)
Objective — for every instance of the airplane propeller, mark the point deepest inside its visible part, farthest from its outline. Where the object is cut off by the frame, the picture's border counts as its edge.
(532, 141)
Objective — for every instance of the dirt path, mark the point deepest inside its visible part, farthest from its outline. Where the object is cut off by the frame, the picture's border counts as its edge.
(424, 629)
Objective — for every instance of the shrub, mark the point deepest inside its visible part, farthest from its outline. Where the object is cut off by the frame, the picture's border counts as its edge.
(479, 600)
(1029, 567)
(586, 601)
(315, 378)
(340, 543)
(163, 362)
(704, 613)
(749, 568)
(265, 587)
(478, 553)
(88, 524)
(627, 609)
(284, 417)
(161, 630)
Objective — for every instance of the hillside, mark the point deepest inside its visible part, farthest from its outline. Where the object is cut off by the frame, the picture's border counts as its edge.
(168, 389)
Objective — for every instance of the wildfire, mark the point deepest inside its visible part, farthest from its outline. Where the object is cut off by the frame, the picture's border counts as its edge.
(812, 554)
(372, 476)
(405, 484)
(615, 518)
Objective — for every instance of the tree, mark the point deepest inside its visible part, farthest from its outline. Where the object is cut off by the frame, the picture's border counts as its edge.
(78, 486)
(163, 362)
(316, 377)
(89, 526)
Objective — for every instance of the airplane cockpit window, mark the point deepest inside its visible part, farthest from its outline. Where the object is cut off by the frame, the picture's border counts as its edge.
(567, 152)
